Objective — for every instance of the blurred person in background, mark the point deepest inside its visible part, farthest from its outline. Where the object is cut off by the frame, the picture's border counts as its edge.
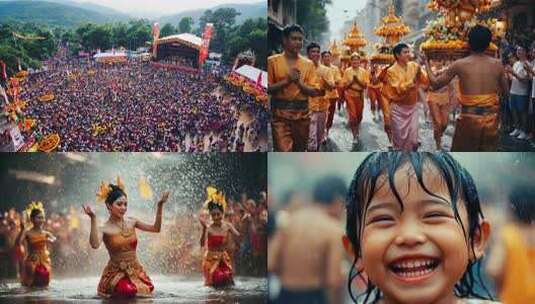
(307, 253)
(512, 259)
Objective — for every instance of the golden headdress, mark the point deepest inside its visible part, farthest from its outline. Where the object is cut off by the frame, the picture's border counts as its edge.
(215, 196)
(105, 189)
(34, 205)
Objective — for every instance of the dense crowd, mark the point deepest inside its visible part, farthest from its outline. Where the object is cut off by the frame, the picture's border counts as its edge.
(136, 106)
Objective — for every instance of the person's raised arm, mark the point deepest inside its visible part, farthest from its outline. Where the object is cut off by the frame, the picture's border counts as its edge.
(94, 239)
(157, 226)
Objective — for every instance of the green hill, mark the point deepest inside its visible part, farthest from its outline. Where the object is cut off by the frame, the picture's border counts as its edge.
(42, 12)
(253, 10)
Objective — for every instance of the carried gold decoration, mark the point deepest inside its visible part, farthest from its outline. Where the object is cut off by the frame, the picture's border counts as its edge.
(448, 34)
(450, 43)
(392, 27)
(49, 143)
(46, 98)
(354, 39)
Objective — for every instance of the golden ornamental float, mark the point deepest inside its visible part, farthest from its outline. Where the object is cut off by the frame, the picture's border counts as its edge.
(49, 143)
(392, 29)
(354, 39)
(445, 43)
(448, 34)
(47, 97)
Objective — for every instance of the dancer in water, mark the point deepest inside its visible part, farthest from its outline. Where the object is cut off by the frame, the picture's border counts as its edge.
(216, 264)
(123, 276)
(37, 268)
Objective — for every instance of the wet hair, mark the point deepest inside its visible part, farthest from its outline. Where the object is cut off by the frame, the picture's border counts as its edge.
(35, 212)
(213, 206)
(479, 38)
(292, 28)
(328, 189)
(312, 45)
(368, 179)
(522, 203)
(114, 194)
(398, 48)
(325, 53)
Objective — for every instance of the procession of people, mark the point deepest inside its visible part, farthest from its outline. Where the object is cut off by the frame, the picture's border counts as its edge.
(462, 84)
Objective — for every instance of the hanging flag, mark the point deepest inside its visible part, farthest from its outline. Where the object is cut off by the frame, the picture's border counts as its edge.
(4, 74)
(206, 36)
(145, 191)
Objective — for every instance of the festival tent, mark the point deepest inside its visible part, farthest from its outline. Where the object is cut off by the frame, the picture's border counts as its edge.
(110, 57)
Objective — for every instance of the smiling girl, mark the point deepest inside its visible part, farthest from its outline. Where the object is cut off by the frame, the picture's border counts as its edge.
(415, 228)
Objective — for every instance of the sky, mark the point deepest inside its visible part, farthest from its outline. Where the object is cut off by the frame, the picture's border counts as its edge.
(162, 6)
(340, 11)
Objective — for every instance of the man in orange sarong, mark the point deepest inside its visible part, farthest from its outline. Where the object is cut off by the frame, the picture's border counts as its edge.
(331, 95)
(292, 80)
(318, 106)
(481, 78)
(355, 81)
(374, 93)
(400, 90)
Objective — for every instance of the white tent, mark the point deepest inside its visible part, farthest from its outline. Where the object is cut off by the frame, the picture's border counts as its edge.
(252, 73)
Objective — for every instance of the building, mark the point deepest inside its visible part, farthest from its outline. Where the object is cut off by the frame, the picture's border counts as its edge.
(280, 14)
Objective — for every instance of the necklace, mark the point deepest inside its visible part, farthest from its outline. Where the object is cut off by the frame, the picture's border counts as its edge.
(125, 232)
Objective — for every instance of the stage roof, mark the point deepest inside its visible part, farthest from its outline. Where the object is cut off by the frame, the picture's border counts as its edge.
(184, 38)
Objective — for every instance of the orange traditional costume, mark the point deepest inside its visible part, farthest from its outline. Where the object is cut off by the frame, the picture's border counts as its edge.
(476, 128)
(217, 265)
(518, 284)
(354, 94)
(402, 97)
(319, 107)
(290, 120)
(333, 95)
(123, 276)
(374, 94)
(37, 269)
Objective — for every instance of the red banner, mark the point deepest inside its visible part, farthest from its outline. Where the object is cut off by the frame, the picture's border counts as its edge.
(206, 36)
(4, 74)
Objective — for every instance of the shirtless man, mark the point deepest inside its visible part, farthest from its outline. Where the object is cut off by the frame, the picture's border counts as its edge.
(481, 79)
(306, 254)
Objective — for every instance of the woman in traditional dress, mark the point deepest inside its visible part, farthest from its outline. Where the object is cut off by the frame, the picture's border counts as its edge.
(216, 264)
(123, 276)
(36, 269)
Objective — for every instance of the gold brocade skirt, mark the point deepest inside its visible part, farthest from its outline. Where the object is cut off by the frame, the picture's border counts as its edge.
(124, 266)
(216, 261)
(36, 264)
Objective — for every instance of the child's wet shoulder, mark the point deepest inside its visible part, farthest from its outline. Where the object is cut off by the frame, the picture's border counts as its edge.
(478, 301)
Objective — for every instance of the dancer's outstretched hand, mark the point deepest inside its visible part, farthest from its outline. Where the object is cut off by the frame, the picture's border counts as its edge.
(163, 198)
(202, 220)
(88, 211)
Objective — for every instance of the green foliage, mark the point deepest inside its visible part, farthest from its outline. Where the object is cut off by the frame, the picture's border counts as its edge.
(56, 14)
(185, 25)
(167, 30)
(231, 39)
(312, 15)
(29, 53)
